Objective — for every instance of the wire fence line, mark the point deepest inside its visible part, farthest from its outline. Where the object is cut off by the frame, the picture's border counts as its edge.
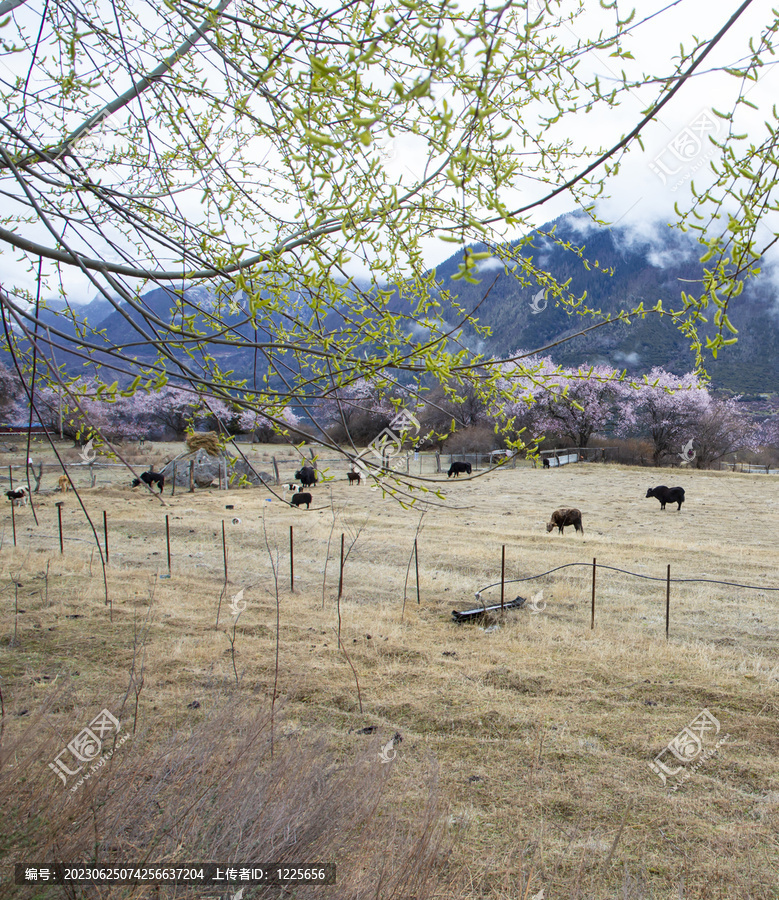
(664, 579)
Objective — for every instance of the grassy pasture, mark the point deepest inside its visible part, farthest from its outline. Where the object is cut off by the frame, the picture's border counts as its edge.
(536, 736)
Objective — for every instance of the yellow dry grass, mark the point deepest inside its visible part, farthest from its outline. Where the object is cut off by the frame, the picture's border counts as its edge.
(543, 728)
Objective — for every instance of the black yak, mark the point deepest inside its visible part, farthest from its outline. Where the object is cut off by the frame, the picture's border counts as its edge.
(150, 478)
(306, 476)
(667, 495)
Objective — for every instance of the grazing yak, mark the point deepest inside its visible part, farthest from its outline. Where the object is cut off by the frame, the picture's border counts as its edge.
(667, 495)
(563, 517)
(17, 497)
(150, 478)
(300, 498)
(354, 477)
(458, 468)
(306, 476)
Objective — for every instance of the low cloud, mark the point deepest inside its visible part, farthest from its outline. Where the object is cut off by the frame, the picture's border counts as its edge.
(493, 262)
(627, 359)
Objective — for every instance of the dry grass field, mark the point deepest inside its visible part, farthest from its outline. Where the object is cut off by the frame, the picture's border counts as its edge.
(425, 758)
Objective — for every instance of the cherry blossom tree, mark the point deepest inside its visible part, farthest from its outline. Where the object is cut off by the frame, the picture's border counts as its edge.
(767, 432)
(84, 410)
(666, 408)
(577, 403)
(540, 398)
(356, 413)
(685, 422)
(263, 428)
(520, 389)
(721, 429)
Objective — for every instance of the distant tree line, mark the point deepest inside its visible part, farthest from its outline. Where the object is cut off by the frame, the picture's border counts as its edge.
(541, 404)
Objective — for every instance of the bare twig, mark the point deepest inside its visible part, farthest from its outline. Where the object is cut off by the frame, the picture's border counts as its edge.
(408, 567)
(136, 681)
(275, 570)
(231, 638)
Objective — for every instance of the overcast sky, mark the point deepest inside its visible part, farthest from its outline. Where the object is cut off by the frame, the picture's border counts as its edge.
(675, 150)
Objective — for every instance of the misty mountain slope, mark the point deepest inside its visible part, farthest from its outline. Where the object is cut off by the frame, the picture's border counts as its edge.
(645, 270)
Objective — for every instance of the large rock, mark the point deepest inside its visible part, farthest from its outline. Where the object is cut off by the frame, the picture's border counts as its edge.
(206, 469)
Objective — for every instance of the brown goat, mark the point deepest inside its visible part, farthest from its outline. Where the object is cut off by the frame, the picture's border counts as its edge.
(563, 517)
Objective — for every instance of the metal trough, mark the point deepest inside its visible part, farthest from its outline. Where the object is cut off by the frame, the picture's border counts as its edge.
(470, 615)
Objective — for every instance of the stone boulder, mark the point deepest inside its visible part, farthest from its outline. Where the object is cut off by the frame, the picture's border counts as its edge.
(206, 469)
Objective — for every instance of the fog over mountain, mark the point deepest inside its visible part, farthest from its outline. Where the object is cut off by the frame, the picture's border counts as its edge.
(655, 265)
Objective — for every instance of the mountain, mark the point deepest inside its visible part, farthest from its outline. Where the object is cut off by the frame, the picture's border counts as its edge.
(631, 268)
(646, 268)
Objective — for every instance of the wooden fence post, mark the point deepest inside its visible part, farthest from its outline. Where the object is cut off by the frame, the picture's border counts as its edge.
(191, 476)
(592, 620)
(105, 533)
(173, 489)
(291, 561)
(59, 519)
(224, 548)
(341, 576)
(502, 576)
(276, 470)
(167, 539)
(416, 561)
(667, 600)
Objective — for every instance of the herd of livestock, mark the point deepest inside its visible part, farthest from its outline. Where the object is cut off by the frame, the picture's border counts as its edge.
(306, 476)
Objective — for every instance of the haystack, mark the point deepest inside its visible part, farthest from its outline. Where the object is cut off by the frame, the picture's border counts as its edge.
(205, 440)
